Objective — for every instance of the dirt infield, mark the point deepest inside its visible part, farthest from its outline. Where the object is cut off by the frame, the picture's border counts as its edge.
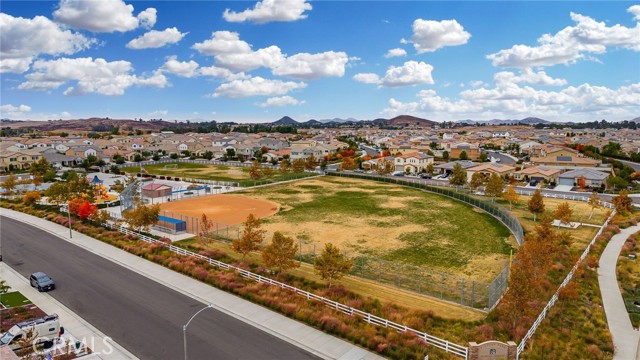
(223, 209)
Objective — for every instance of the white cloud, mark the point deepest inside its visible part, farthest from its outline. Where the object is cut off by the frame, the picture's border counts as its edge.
(312, 66)
(13, 112)
(156, 39)
(270, 10)
(281, 101)
(22, 39)
(89, 75)
(510, 100)
(222, 73)
(430, 35)
(635, 10)
(527, 76)
(476, 84)
(234, 54)
(395, 53)
(147, 17)
(158, 113)
(256, 86)
(65, 114)
(367, 78)
(180, 68)
(102, 16)
(570, 44)
(410, 73)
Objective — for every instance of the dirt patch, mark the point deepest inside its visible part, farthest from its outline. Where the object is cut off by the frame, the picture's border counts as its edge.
(222, 208)
(485, 268)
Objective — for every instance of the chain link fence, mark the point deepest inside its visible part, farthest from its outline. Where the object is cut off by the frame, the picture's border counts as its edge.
(128, 196)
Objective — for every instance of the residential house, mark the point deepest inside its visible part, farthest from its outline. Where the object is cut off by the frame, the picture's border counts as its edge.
(448, 167)
(592, 177)
(538, 173)
(412, 162)
(487, 169)
(18, 159)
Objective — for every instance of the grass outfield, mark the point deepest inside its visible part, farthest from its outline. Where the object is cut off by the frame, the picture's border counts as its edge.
(227, 173)
(14, 299)
(391, 222)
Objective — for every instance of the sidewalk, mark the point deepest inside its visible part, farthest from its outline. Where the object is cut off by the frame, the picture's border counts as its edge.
(625, 338)
(292, 331)
(72, 323)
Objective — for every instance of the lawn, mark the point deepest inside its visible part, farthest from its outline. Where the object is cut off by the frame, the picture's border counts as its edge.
(581, 213)
(225, 173)
(390, 222)
(13, 299)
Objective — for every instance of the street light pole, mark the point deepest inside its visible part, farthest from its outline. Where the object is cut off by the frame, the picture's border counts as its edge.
(184, 328)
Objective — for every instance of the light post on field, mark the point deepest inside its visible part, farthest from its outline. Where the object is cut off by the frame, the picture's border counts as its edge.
(184, 328)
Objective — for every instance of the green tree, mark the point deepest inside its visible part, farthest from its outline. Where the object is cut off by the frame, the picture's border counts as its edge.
(280, 253)
(617, 182)
(142, 216)
(483, 157)
(118, 159)
(332, 264)
(231, 153)
(536, 204)
(458, 176)
(495, 186)
(463, 155)
(623, 202)
(40, 168)
(252, 237)
(445, 155)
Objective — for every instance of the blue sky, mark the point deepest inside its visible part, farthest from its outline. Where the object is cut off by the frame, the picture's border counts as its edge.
(256, 61)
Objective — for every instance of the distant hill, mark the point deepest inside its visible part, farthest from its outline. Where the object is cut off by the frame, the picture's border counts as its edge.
(635, 120)
(408, 120)
(525, 121)
(285, 120)
(94, 124)
(311, 122)
(338, 120)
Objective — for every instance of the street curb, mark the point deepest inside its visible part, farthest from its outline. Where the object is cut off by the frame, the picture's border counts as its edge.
(16, 215)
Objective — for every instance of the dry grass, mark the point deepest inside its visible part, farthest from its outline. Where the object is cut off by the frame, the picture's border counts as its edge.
(390, 222)
(372, 289)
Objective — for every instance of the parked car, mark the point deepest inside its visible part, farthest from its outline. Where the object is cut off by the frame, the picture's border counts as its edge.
(398, 173)
(425, 176)
(444, 176)
(358, 171)
(534, 182)
(42, 281)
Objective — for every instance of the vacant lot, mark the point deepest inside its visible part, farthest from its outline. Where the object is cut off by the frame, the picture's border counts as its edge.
(388, 221)
(227, 173)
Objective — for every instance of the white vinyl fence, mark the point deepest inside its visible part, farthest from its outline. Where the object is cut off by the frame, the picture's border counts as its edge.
(554, 298)
(442, 344)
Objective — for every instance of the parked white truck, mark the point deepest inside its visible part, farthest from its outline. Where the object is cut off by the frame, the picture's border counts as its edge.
(45, 330)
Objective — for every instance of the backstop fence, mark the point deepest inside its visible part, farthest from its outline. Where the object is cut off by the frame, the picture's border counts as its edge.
(128, 196)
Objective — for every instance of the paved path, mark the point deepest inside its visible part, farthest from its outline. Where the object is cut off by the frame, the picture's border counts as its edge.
(72, 322)
(291, 331)
(625, 338)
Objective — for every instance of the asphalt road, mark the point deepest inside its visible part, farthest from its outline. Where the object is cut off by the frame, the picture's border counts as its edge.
(504, 159)
(142, 315)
